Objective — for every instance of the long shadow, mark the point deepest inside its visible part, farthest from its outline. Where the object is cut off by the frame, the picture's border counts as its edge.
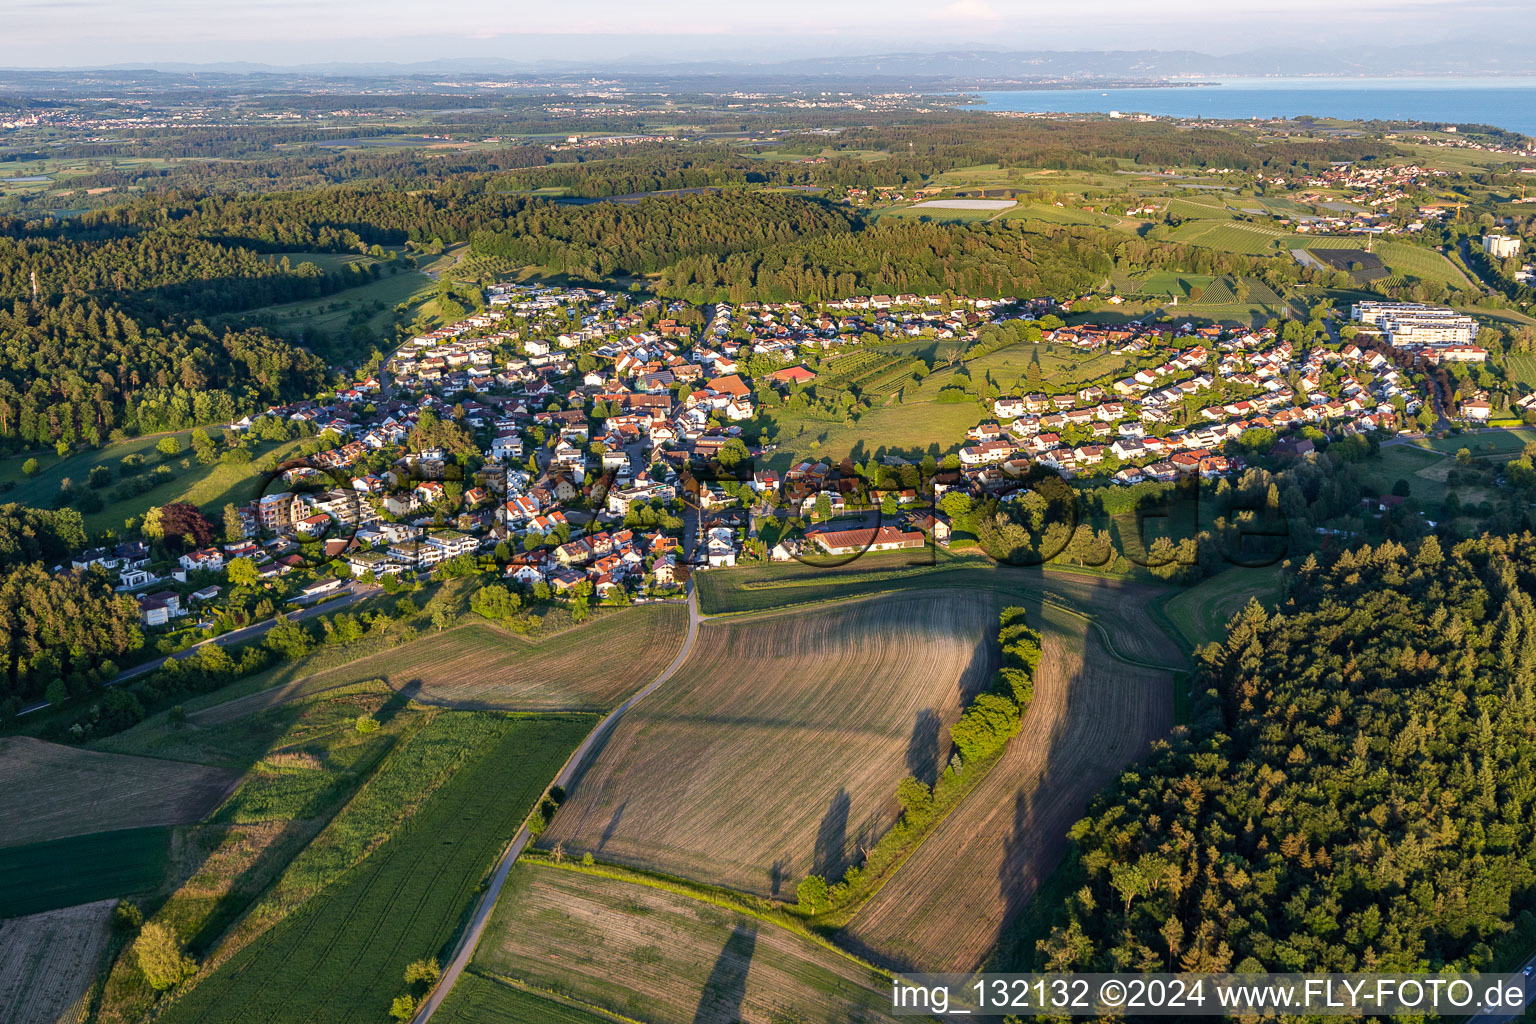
(1036, 837)
(923, 747)
(830, 858)
(726, 989)
(317, 811)
(578, 775)
(612, 826)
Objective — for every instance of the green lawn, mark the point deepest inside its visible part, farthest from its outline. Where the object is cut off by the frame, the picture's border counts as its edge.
(1522, 368)
(208, 487)
(341, 955)
(911, 428)
(478, 999)
(1500, 441)
(1201, 613)
(1170, 284)
(81, 869)
(333, 313)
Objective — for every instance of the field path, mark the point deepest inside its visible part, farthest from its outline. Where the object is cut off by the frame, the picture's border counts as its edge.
(482, 915)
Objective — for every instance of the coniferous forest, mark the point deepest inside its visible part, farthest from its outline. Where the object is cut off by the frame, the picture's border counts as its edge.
(1356, 792)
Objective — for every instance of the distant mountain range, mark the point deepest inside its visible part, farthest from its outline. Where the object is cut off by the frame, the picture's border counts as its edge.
(950, 69)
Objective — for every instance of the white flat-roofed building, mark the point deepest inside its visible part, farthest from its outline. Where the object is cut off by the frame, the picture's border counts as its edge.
(1413, 323)
(1501, 247)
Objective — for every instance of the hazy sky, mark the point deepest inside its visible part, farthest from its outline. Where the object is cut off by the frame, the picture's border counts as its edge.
(72, 33)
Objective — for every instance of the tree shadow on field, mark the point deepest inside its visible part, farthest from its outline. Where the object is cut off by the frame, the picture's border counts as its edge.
(612, 827)
(726, 989)
(830, 859)
(923, 747)
(777, 872)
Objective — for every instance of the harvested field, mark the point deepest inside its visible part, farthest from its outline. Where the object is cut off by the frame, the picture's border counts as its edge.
(945, 907)
(49, 791)
(776, 749)
(48, 961)
(478, 666)
(665, 958)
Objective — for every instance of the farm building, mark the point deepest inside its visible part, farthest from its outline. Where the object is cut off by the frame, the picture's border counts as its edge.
(886, 538)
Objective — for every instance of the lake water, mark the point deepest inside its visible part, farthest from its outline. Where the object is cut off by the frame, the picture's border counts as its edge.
(1509, 103)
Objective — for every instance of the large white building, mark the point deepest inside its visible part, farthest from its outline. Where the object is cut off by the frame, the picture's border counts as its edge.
(1501, 247)
(1413, 323)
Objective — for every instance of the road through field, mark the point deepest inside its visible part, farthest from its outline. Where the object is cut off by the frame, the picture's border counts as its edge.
(482, 915)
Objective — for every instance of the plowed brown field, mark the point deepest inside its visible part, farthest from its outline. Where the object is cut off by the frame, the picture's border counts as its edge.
(49, 791)
(776, 749)
(946, 906)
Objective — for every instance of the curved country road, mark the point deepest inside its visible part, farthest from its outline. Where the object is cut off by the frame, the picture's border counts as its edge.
(471, 939)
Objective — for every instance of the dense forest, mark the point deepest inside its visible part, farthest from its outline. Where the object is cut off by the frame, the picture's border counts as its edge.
(159, 274)
(77, 371)
(647, 236)
(1356, 791)
(61, 632)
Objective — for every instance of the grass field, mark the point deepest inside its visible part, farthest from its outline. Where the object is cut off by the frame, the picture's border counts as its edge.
(1202, 612)
(49, 791)
(946, 906)
(775, 751)
(911, 427)
(48, 962)
(1522, 368)
(302, 762)
(373, 303)
(81, 869)
(1424, 471)
(1061, 215)
(1168, 284)
(1120, 607)
(342, 953)
(1486, 442)
(477, 999)
(664, 958)
(208, 487)
(477, 665)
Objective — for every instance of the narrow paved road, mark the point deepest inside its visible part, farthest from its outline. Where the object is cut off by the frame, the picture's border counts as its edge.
(352, 596)
(471, 939)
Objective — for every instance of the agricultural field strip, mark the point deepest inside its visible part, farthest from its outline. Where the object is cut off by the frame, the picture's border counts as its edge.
(470, 938)
(653, 954)
(780, 683)
(48, 961)
(587, 667)
(52, 791)
(340, 953)
(1089, 719)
